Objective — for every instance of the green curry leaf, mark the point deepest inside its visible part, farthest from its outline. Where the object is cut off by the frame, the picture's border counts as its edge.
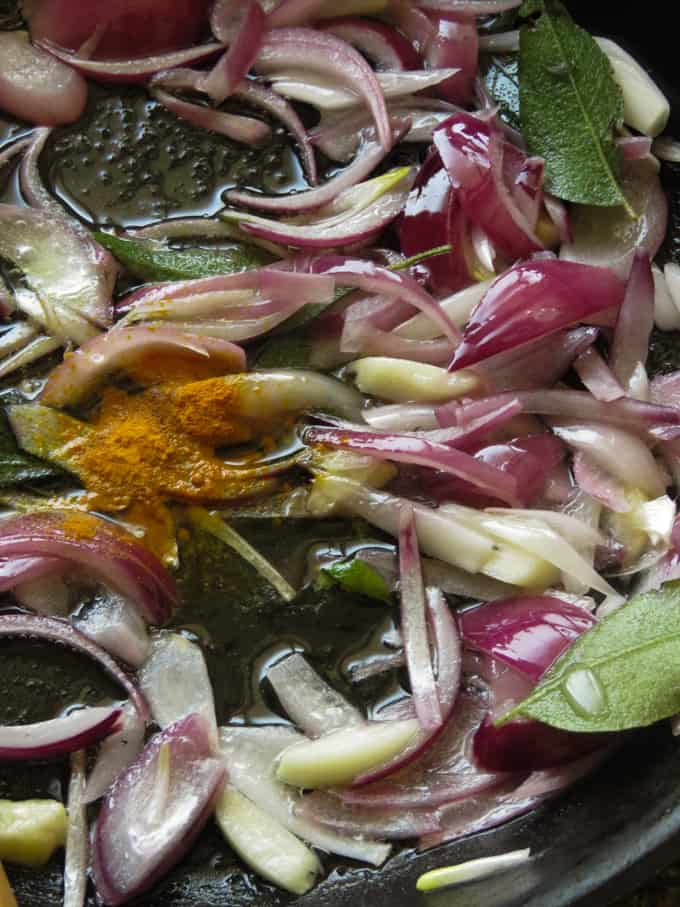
(623, 673)
(355, 576)
(151, 262)
(569, 106)
(17, 467)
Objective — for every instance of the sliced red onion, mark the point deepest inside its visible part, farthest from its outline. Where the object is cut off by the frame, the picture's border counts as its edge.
(448, 661)
(472, 150)
(597, 376)
(355, 225)
(116, 753)
(533, 300)
(295, 12)
(62, 633)
(513, 799)
(522, 745)
(250, 754)
(634, 324)
(454, 45)
(327, 55)
(54, 738)
(528, 461)
(17, 570)
(383, 45)
(116, 625)
(414, 626)
(338, 134)
(360, 336)
(421, 452)
(442, 773)
(653, 420)
(527, 633)
(247, 130)
(608, 236)
(471, 7)
(324, 94)
(447, 646)
(60, 266)
(10, 151)
(189, 692)
(369, 155)
(34, 190)
(155, 810)
(244, 45)
(366, 275)
(432, 216)
(84, 370)
(260, 96)
(118, 559)
(618, 452)
(138, 70)
(271, 283)
(558, 214)
(539, 363)
(634, 147)
(77, 840)
(117, 27)
(599, 484)
(37, 87)
(314, 706)
(391, 823)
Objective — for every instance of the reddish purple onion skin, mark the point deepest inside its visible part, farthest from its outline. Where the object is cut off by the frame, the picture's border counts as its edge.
(533, 300)
(433, 217)
(393, 823)
(384, 46)
(634, 325)
(486, 477)
(328, 55)
(520, 746)
(132, 847)
(454, 44)
(473, 149)
(16, 570)
(137, 29)
(234, 65)
(35, 86)
(132, 70)
(530, 461)
(414, 627)
(116, 557)
(527, 633)
(59, 736)
(442, 773)
(63, 633)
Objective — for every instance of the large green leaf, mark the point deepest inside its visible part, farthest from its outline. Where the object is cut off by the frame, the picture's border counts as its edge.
(622, 674)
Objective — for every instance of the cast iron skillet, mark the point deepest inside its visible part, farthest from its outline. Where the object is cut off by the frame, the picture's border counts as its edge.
(598, 841)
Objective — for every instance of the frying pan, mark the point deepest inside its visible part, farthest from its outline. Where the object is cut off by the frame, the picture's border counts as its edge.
(596, 842)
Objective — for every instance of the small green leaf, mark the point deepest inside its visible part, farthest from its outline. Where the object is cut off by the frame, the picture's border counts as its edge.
(623, 673)
(289, 351)
(17, 467)
(355, 576)
(569, 106)
(152, 262)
